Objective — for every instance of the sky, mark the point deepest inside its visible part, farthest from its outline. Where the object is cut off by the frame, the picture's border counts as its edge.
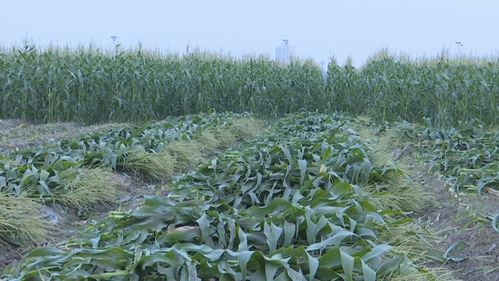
(317, 29)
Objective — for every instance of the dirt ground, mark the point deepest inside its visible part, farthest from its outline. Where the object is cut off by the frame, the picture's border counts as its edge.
(463, 217)
(450, 217)
(456, 217)
(15, 134)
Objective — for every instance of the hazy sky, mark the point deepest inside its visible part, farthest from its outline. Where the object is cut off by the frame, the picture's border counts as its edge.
(317, 29)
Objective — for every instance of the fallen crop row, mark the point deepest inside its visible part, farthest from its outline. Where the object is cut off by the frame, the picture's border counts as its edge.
(77, 174)
(41, 172)
(468, 157)
(287, 206)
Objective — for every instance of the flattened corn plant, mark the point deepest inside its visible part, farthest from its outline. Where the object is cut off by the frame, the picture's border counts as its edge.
(39, 173)
(468, 157)
(287, 206)
(77, 173)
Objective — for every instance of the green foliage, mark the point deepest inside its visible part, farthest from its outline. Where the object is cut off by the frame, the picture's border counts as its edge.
(495, 222)
(77, 173)
(37, 173)
(447, 90)
(286, 206)
(92, 86)
(468, 157)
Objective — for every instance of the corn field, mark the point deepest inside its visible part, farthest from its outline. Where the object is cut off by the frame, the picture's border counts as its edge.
(445, 90)
(93, 86)
(214, 191)
(90, 85)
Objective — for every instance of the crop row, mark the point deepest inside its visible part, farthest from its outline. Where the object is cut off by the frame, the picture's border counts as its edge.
(92, 86)
(286, 206)
(38, 172)
(77, 174)
(449, 91)
(469, 157)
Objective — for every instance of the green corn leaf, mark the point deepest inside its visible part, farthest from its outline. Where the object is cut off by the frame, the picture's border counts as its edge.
(453, 252)
(347, 262)
(303, 170)
(367, 272)
(495, 223)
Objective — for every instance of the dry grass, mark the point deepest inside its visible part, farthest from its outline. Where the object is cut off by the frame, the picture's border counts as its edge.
(237, 129)
(400, 191)
(400, 195)
(187, 154)
(180, 155)
(88, 189)
(148, 166)
(208, 139)
(246, 127)
(20, 221)
(430, 275)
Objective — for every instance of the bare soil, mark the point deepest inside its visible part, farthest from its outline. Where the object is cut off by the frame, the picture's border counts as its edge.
(16, 135)
(463, 217)
(457, 217)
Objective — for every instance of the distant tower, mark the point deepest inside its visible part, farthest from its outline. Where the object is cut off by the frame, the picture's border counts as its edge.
(285, 53)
